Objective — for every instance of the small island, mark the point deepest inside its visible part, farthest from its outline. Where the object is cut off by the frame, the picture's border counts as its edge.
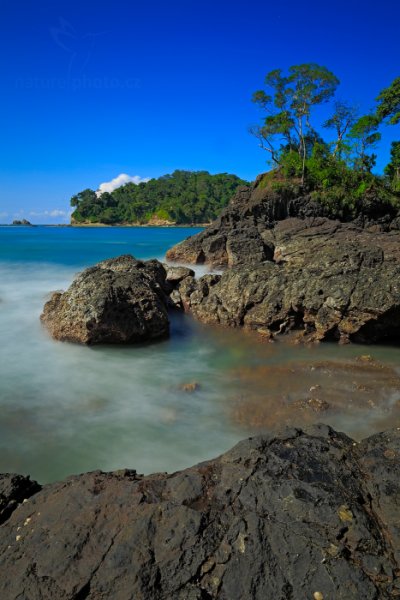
(22, 222)
(182, 198)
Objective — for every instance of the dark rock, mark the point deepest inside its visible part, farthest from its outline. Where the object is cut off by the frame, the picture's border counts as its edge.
(345, 292)
(330, 280)
(21, 222)
(298, 515)
(14, 489)
(119, 300)
(255, 219)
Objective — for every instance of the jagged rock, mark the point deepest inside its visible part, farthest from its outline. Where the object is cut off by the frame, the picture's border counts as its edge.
(292, 268)
(14, 489)
(297, 515)
(120, 300)
(176, 274)
(249, 228)
(345, 292)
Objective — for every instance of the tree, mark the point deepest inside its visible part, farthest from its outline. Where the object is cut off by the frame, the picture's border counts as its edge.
(392, 170)
(290, 105)
(86, 196)
(365, 136)
(389, 103)
(341, 121)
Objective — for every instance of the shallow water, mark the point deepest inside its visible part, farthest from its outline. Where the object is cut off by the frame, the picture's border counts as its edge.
(66, 409)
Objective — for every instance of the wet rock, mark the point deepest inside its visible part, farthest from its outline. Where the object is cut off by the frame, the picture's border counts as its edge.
(297, 515)
(315, 404)
(302, 393)
(252, 228)
(14, 489)
(345, 292)
(190, 387)
(119, 300)
(176, 274)
(290, 267)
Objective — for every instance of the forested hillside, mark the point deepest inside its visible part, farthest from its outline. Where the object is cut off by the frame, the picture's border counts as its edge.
(183, 197)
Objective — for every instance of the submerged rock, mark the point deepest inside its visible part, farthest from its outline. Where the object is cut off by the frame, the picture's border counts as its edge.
(120, 300)
(297, 515)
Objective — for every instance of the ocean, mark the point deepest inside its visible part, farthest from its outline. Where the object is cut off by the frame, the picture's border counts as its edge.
(67, 409)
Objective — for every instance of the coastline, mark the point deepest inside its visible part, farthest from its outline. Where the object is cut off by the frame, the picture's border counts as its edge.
(146, 225)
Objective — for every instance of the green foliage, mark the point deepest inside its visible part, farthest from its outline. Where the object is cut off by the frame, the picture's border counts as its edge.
(392, 170)
(336, 174)
(365, 136)
(389, 103)
(287, 121)
(291, 165)
(183, 197)
(346, 192)
(342, 119)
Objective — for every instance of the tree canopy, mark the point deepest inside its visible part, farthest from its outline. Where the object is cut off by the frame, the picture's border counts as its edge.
(337, 172)
(182, 197)
(389, 103)
(290, 105)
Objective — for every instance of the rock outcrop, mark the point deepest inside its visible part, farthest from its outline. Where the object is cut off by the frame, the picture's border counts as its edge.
(21, 222)
(244, 233)
(346, 292)
(120, 300)
(298, 515)
(289, 268)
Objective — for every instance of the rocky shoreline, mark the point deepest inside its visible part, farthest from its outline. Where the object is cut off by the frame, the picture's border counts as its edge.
(288, 267)
(302, 515)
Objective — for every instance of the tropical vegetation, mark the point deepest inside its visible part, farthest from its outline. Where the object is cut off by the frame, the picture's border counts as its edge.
(184, 197)
(337, 171)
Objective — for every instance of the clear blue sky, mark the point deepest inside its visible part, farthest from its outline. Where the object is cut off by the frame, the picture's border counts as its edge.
(93, 89)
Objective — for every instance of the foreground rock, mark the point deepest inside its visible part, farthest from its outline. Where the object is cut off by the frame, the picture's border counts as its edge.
(300, 516)
(121, 300)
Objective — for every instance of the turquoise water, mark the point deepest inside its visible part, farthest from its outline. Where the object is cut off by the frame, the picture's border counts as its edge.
(66, 409)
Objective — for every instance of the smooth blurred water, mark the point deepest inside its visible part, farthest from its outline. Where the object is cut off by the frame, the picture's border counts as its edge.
(65, 408)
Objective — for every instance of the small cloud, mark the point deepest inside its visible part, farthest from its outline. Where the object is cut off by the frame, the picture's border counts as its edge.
(122, 179)
(3, 215)
(53, 214)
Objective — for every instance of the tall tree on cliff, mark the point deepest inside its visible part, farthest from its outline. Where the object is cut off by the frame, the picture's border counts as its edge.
(389, 103)
(364, 137)
(341, 122)
(392, 170)
(389, 109)
(289, 107)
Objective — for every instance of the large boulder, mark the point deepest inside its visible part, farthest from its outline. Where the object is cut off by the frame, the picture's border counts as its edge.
(120, 300)
(306, 516)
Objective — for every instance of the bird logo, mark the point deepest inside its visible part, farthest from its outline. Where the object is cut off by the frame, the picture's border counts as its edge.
(79, 47)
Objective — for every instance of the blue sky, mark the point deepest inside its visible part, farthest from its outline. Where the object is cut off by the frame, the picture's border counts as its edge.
(91, 90)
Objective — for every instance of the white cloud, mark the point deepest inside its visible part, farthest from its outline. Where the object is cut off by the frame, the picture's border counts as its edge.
(122, 179)
(3, 214)
(56, 213)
